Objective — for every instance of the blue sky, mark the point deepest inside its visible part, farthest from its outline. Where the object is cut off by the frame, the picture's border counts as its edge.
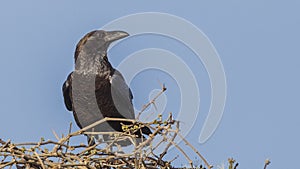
(258, 44)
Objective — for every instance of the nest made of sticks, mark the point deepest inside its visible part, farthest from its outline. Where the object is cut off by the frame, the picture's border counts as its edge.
(63, 154)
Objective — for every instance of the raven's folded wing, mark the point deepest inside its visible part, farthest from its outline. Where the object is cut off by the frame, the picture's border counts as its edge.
(66, 89)
(121, 95)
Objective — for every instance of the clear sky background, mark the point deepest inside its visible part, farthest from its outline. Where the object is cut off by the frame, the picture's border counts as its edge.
(258, 44)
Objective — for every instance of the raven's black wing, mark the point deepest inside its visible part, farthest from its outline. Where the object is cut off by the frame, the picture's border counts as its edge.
(121, 95)
(66, 89)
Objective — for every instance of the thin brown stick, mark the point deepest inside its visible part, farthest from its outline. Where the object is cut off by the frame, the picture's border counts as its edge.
(40, 160)
(152, 101)
(196, 151)
(169, 144)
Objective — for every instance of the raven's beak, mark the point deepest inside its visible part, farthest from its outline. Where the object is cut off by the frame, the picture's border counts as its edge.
(115, 35)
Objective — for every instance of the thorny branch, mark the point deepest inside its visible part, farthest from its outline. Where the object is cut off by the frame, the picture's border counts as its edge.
(101, 155)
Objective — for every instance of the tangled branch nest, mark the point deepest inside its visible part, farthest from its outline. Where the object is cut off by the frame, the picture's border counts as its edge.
(63, 154)
(100, 155)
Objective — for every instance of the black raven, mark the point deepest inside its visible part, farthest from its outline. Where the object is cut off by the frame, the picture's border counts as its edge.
(95, 89)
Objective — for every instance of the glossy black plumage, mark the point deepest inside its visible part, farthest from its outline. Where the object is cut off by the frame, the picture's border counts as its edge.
(95, 89)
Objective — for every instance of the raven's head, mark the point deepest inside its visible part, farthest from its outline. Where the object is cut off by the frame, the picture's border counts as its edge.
(95, 43)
